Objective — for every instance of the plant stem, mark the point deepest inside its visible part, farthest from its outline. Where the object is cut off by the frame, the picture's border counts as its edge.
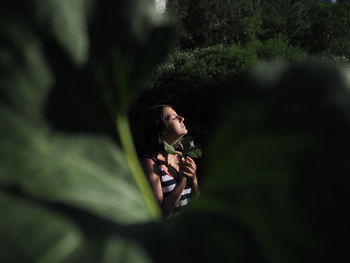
(123, 127)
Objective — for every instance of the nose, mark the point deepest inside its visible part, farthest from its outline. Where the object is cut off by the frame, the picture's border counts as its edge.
(181, 118)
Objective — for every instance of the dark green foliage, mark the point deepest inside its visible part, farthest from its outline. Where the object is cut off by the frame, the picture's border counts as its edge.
(275, 188)
(276, 165)
(276, 49)
(67, 78)
(217, 62)
(188, 148)
(316, 26)
(213, 62)
(205, 23)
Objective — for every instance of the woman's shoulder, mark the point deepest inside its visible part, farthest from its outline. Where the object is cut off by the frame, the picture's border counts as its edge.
(149, 161)
(149, 158)
(150, 164)
(157, 158)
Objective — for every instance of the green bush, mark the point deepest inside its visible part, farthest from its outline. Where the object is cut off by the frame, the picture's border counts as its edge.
(276, 48)
(209, 63)
(217, 62)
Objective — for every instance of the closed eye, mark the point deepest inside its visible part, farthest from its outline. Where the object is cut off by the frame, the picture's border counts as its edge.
(174, 117)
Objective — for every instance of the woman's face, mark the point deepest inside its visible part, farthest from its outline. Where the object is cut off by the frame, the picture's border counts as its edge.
(174, 126)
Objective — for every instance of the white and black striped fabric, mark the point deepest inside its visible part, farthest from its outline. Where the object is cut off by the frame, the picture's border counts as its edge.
(168, 183)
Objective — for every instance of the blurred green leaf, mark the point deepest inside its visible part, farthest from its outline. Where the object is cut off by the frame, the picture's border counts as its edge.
(108, 249)
(128, 40)
(32, 232)
(119, 250)
(87, 172)
(274, 171)
(46, 58)
(29, 233)
(66, 22)
(25, 75)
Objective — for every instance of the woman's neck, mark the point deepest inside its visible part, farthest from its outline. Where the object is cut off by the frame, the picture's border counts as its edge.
(166, 157)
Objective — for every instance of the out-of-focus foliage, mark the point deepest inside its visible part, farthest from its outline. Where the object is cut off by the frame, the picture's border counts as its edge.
(275, 188)
(68, 70)
(276, 181)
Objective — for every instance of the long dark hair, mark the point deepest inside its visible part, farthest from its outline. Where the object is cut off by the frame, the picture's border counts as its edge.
(151, 129)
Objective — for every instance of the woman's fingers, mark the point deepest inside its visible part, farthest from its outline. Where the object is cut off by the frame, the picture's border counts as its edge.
(189, 159)
(187, 174)
(189, 169)
(191, 165)
(188, 165)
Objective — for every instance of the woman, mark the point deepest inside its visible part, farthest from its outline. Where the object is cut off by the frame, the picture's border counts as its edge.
(172, 179)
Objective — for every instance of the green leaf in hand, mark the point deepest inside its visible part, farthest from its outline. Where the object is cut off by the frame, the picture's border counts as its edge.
(195, 153)
(170, 149)
(188, 148)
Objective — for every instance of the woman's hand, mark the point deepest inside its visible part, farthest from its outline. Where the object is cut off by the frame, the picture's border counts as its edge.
(188, 167)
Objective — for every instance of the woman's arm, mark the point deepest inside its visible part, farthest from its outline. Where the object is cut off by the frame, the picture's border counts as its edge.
(153, 178)
(169, 203)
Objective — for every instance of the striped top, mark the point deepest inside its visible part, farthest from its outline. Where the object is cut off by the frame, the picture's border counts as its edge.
(168, 183)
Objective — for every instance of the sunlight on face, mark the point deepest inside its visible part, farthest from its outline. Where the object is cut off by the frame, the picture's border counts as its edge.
(175, 126)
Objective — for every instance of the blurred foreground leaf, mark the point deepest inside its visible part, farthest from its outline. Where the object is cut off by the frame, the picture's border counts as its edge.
(34, 234)
(275, 188)
(79, 171)
(66, 22)
(67, 190)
